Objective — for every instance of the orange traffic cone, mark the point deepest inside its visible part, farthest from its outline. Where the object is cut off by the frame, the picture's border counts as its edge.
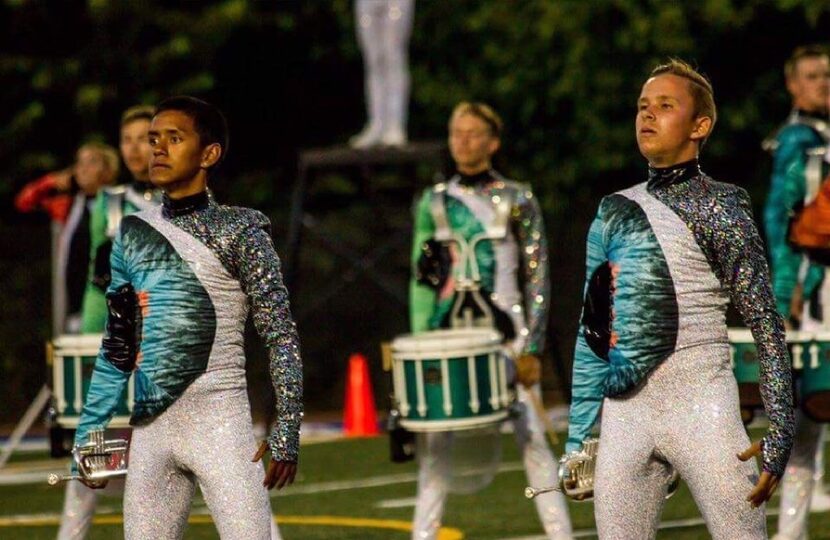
(360, 418)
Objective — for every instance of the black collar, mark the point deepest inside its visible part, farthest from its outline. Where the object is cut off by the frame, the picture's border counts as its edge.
(186, 205)
(676, 174)
(478, 178)
(815, 115)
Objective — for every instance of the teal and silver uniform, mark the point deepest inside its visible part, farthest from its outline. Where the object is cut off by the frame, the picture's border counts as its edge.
(196, 268)
(500, 222)
(664, 258)
(797, 173)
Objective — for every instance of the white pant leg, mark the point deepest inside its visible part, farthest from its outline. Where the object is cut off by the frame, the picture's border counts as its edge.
(433, 477)
(797, 484)
(369, 15)
(159, 490)
(541, 466)
(396, 82)
(78, 510)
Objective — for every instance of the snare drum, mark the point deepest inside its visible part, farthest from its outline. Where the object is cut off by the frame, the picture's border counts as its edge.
(447, 380)
(73, 360)
(815, 379)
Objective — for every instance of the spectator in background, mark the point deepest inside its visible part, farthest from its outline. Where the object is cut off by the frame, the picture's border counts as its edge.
(67, 196)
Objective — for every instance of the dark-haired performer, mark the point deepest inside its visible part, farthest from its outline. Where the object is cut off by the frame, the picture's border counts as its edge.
(663, 260)
(183, 278)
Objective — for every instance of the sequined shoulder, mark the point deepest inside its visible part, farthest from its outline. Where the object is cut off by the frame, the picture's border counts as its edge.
(244, 218)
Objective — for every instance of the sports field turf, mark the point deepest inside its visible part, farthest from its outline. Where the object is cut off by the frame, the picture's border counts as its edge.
(348, 489)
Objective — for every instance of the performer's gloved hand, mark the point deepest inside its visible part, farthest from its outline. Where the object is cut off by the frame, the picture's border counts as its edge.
(279, 473)
(528, 370)
(766, 484)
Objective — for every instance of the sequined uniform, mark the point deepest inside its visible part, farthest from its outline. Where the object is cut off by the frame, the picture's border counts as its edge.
(196, 266)
(681, 246)
(797, 172)
(520, 258)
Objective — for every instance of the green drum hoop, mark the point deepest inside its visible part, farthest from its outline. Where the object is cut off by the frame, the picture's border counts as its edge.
(447, 380)
(73, 361)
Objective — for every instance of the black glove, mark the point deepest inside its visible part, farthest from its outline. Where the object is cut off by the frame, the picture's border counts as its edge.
(434, 264)
(123, 328)
(596, 315)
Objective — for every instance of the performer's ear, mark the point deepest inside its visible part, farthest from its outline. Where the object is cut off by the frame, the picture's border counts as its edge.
(702, 127)
(495, 144)
(210, 155)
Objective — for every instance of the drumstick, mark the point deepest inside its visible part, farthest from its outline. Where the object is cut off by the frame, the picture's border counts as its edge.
(540, 410)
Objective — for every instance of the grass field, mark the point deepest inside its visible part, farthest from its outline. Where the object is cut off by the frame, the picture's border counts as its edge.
(348, 489)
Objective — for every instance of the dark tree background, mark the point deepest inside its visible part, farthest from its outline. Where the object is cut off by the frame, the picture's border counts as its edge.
(564, 74)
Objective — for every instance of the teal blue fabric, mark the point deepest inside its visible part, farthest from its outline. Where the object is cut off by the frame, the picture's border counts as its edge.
(645, 306)
(787, 191)
(174, 349)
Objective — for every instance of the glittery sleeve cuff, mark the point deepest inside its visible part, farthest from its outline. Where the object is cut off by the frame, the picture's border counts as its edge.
(262, 281)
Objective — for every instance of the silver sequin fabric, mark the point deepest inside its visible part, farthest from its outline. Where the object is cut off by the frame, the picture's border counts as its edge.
(240, 239)
(719, 216)
(528, 231)
(205, 438)
(684, 414)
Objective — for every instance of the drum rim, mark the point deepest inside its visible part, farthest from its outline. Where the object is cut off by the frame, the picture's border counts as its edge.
(77, 341)
(446, 340)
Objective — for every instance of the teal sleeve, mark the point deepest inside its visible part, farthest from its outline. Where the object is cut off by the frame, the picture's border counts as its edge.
(589, 370)
(421, 298)
(787, 191)
(108, 382)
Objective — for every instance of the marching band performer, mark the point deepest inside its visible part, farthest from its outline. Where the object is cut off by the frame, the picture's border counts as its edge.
(663, 260)
(797, 172)
(514, 282)
(183, 277)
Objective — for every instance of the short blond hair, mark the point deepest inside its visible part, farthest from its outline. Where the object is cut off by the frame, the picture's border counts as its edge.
(483, 112)
(699, 87)
(107, 153)
(799, 54)
(138, 112)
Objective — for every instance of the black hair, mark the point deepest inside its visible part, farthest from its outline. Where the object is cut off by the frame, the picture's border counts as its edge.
(208, 121)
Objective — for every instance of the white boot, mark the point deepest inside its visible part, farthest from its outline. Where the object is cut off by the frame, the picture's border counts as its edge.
(370, 136)
(393, 137)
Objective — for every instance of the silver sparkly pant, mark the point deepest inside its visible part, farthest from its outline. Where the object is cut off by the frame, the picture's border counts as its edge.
(204, 438)
(540, 467)
(685, 414)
